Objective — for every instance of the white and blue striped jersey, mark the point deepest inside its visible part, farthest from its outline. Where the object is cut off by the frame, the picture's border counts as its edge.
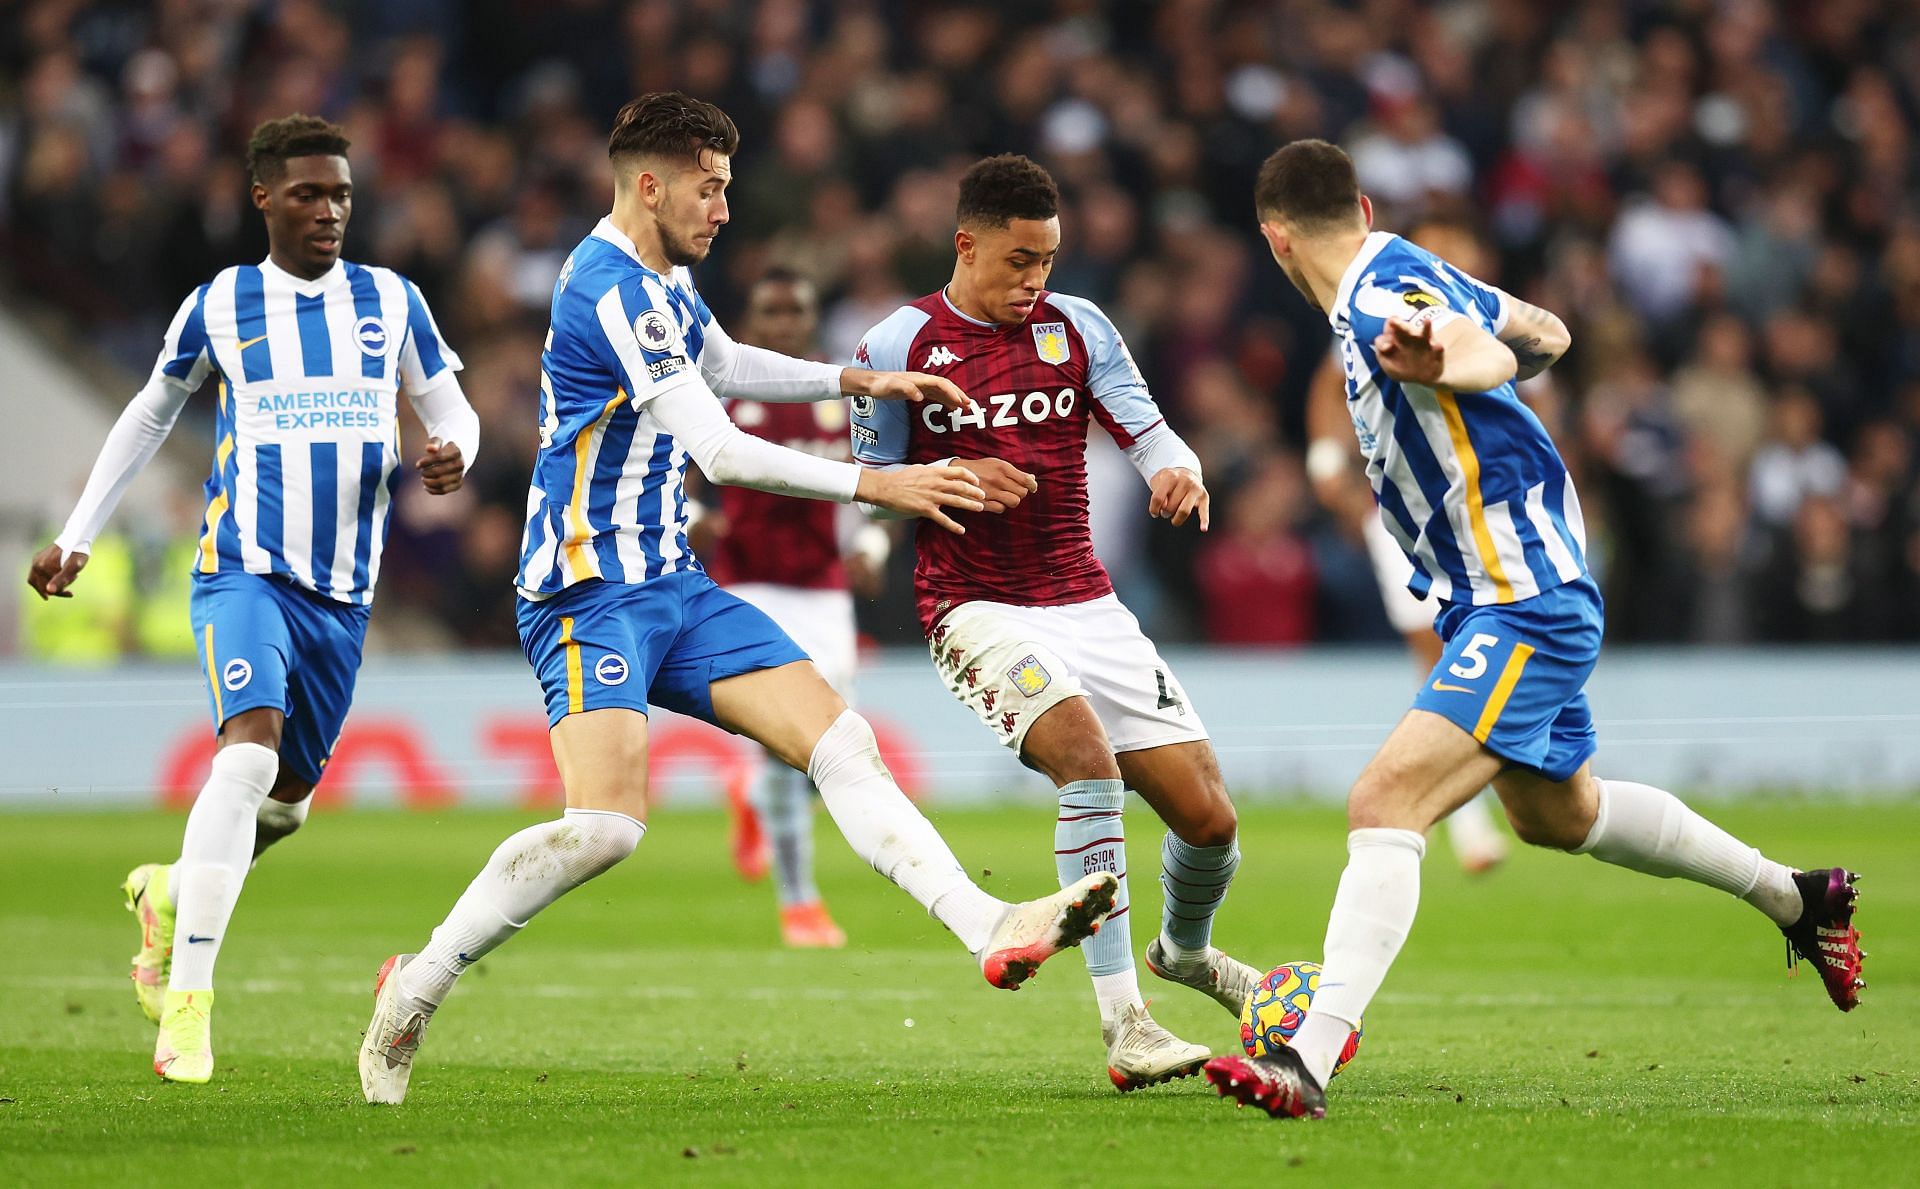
(1469, 484)
(306, 437)
(608, 498)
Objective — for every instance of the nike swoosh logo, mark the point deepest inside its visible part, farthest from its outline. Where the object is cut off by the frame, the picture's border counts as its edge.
(243, 344)
(1444, 688)
(191, 939)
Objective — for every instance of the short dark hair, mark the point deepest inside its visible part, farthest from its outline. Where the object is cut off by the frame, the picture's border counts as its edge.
(1310, 184)
(672, 125)
(276, 141)
(997, 190)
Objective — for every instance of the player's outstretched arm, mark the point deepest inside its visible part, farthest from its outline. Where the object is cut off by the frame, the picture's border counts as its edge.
(727, 454)
(130, 445)
(1537, 337)
(907, 386)
(1459, 356)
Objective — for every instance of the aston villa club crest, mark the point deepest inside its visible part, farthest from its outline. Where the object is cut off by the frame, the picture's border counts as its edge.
(1050, 340)
(1029, 676)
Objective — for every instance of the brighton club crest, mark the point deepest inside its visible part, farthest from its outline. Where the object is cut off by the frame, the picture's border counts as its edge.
(1050, 340)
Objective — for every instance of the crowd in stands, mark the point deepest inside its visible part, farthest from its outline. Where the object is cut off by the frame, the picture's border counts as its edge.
(1719, 196)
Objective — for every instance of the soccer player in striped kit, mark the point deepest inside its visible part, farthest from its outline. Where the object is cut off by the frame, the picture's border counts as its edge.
(617, 615)
(798, 561)
(1020, 616)
(309, 354)
(1477, 497)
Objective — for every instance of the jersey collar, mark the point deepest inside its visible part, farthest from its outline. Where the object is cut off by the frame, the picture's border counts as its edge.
(605, 230)
(301, 285)
(1369, 248)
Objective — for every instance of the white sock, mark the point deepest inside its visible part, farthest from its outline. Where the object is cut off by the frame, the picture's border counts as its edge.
(1372, 913)
(886, 831)
(784, 801)
(1650, 830)
(1114, 992)
(215, 852)
(527, 872)
(276, 820)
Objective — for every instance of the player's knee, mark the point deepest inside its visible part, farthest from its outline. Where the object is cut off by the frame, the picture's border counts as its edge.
(1554, 831)
(1380, 801)
(277, 819)
(1215, 824)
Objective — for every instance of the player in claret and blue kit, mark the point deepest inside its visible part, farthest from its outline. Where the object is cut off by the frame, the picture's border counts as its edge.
(1471, 487)
(617, 615)
(1020, 616)
(309, 354)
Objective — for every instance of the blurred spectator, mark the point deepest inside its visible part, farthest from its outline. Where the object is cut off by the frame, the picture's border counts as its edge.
(1257, 577)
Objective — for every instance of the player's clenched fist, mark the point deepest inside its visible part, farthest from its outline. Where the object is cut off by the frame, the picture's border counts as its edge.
(442, 470)
(1005, 484)
(923, 491)
(51, 574)
(1177, 494)
(913, 386)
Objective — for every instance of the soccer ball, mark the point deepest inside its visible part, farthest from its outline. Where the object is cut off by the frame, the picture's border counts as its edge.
(1276, 1007)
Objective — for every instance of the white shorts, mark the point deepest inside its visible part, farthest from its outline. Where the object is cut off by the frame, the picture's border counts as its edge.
(819, 621)
(1391, 569)
(1010, 665)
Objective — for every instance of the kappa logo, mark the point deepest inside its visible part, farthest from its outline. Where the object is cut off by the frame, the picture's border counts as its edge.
(941, 357)
(610, 669)
(988, 697)
(371, 335)
(1029, 676)
(1007, 720)
(236, 674)
(939, 633)
(860, 355)
(1050, 340)
(653, 330)
(972, 675)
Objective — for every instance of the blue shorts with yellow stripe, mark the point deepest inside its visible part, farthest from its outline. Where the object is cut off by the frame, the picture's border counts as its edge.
(661, 642)
(1514, 676)
(267, 642)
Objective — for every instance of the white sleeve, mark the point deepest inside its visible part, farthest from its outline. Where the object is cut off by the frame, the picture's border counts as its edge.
(130, 445)
(444, 410)
(728, 454)
(1159, 448)
(744, 372)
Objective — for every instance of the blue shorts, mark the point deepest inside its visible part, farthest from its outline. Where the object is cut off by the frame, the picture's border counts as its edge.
(266, 642)
(664, 641)
(1515, 676)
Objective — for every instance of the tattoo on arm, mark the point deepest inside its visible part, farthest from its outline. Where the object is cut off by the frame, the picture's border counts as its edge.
(1528, 352)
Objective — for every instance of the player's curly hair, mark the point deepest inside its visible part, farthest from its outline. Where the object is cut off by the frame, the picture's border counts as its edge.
(997, 190)
(1309, 183)
(672, 125)
(275, 141)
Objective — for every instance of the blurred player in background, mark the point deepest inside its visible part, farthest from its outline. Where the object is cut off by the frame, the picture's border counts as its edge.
(617, 615)
(1340, 485)
(1020, 616)
(799, 561)
(1480, 501)
(309, 353)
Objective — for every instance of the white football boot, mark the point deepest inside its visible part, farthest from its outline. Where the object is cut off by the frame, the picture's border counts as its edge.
(1032, 932)
(1226, 980)
(1142, 1053)
(392, 1037)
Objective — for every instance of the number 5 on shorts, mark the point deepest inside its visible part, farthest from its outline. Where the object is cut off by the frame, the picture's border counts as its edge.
(1473, 658)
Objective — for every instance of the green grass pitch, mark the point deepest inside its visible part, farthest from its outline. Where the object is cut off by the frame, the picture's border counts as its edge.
(1557, 1020)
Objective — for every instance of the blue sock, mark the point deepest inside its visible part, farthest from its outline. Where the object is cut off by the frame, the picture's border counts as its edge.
(1195, 880)
(1090, 837)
